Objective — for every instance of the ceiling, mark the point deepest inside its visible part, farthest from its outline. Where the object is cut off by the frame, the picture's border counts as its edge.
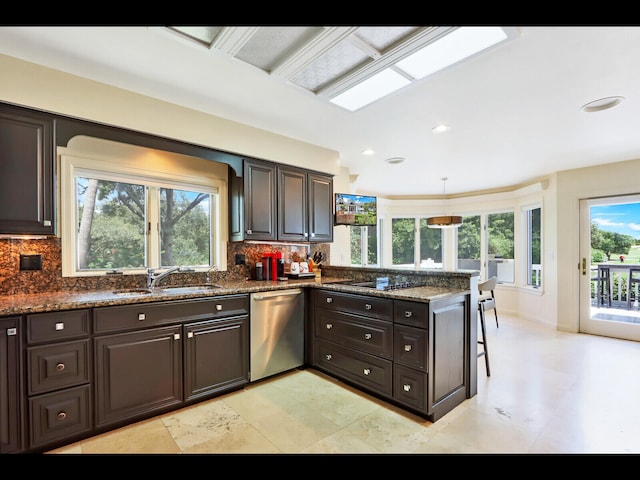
(514, 110)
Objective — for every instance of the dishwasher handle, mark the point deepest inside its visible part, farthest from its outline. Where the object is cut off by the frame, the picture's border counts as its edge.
(265, 296)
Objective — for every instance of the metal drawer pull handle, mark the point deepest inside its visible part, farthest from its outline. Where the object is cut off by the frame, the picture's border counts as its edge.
(60, 326)
(328, 356)
(329, 326)
(218, 307)
(367, 371)
(407, 348)
(408, 314)
(406, 387)
(61, 415)
(367, 336)
(367, 306)
(141, 316)
(60, 367)
(329, 299)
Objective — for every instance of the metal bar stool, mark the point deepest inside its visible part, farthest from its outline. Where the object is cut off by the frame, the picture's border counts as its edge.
(603, 285)
(631, 281)
(483, 342)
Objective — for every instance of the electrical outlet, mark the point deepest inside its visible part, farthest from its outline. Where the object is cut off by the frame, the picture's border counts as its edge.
(31, 262)
(240, 259)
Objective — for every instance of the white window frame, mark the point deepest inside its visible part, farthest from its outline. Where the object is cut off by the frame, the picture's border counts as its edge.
(72, 166)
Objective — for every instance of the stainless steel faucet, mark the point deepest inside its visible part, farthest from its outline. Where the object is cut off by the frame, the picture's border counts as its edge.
(154, 278)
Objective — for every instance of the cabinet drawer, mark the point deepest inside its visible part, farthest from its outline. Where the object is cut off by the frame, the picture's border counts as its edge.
(55, 416)
(57, 366)
(125, 317)
(410, 346)
(365, 334)
(415, 314)
(371, 372)
(410, 388)
(374, 307)
(56, 326)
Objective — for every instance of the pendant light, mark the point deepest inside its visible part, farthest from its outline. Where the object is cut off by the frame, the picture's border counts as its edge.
(444, 221)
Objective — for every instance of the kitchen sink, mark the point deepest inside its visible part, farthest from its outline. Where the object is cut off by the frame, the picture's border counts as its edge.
(132, 291)
(189, 288)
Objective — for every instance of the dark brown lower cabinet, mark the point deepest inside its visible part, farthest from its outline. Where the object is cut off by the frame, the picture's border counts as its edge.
(173, 361)
(411, 353)
(11, 397)
(137, 373)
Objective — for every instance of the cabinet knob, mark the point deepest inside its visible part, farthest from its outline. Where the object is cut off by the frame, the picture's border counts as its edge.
(176, 336)
(190, 335)
(60, 367)
(329, 299)
(61, 416)
(327, 356)
(218, 307)
(329, 326)
(367, 371)
(407, 348)
(406, 387)
(367, 336)
(60, 326)
(249, 232)
(367, 306)
(141, 316)
(408, 314)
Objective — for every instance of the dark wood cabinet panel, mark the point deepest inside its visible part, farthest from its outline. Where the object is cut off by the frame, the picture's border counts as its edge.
(260, 200)
(320, 208)
(215, 356)
(11, 386)
(137, 373)
(26, 172)
(293, 222)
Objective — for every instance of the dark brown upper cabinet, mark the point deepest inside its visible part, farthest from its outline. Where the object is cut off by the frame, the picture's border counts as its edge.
(26, 172)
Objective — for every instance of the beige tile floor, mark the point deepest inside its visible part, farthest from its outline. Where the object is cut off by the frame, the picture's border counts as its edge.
(549, 392)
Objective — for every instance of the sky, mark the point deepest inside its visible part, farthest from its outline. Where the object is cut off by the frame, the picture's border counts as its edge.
(621, 218)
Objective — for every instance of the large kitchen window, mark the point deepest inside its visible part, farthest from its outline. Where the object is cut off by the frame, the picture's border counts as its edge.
(126, 220)
(414, 245)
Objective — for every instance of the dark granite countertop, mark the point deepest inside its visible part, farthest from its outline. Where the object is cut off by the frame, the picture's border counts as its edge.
(69, 300)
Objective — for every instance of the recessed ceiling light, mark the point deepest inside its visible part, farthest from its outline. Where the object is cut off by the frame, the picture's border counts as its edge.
(441, 128)
(601, 104)
(368, 151)
(394, 160)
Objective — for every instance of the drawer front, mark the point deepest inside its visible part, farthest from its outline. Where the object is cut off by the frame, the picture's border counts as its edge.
(142, 315)
(48, 327)
(56, 416)
(410, 346)
(410, 388)
(371, 372)
(415, 314)
(57, 366)
(365, 334)
(373, 307)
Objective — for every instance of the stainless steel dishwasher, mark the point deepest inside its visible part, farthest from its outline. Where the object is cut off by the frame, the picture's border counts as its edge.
(276, 332)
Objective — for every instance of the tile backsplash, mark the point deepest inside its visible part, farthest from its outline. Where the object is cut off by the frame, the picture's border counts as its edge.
(49, 279)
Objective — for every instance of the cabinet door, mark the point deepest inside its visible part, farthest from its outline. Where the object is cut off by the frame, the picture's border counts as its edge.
(215, 356)
(11, 400)
(26, 165)
(293, 224)
(137, 373)
(259, 200)
(320, 208)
